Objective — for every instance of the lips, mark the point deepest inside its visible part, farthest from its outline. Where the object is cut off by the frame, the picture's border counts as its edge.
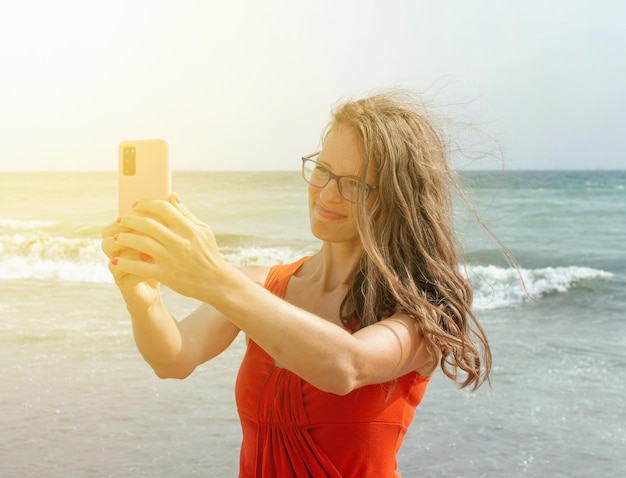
(326, 214)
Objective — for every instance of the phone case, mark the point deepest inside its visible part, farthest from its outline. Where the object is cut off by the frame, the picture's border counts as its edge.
(143, 172)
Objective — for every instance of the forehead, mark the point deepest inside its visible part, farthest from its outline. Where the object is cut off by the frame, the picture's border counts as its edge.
(342, 153)
(341, 150)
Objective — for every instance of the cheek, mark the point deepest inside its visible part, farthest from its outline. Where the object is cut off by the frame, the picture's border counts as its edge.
(311, 201)
(312, 193)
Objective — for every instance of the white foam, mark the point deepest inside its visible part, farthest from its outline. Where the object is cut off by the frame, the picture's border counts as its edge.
(501, 287)
(18, 225)
(36, 255)
(65, 271)
(265, 256)
(39, 256)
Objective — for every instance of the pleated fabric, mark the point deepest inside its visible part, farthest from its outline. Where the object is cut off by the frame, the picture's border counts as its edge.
(292, 429)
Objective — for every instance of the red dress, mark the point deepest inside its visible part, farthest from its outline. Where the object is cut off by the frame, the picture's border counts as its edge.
(292, 429)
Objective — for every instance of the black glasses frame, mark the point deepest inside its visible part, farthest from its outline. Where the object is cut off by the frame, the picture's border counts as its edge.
(331, 176)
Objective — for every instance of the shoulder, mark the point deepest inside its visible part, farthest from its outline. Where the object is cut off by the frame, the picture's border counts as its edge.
(257, 274)
(260, 274)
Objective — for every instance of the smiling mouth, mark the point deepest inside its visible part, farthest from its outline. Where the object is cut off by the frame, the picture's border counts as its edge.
(325, 213)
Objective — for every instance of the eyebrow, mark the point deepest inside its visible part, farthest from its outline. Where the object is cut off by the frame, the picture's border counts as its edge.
(327, 166)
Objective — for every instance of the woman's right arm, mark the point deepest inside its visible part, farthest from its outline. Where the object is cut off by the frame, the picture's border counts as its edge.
(172, 348)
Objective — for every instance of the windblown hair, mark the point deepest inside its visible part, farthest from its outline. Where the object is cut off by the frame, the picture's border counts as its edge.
(410, 261)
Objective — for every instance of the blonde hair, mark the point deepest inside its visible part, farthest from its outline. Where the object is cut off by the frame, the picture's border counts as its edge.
(410, 261)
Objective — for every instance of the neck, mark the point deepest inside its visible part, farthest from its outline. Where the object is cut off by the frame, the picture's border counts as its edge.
(336, 264)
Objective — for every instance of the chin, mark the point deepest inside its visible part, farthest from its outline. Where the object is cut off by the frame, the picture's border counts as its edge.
(334, 234)
(333, 231)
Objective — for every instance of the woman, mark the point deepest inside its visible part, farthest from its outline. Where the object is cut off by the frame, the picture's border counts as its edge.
(341, 345)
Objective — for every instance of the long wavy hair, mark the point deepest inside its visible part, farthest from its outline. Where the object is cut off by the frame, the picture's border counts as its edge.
(410, 261)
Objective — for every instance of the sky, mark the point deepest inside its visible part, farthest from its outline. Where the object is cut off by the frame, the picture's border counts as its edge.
(249, 85)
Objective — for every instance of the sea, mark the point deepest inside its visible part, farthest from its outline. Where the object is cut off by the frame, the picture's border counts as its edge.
(76, 398)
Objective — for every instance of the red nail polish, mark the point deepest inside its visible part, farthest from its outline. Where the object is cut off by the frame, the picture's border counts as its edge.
(144, 257)
(115, 237)
(114, 261)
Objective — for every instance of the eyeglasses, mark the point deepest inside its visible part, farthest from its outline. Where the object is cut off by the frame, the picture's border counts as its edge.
(318, 176)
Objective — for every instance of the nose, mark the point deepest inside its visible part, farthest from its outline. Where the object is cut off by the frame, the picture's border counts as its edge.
(330, 192)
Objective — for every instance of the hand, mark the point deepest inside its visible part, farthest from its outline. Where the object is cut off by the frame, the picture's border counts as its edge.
(181, 251)
(139, 293)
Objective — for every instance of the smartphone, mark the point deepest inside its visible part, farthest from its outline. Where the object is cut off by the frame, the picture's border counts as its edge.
(143, 172)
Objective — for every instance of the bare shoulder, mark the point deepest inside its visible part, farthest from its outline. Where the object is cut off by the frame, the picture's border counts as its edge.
(256, 273)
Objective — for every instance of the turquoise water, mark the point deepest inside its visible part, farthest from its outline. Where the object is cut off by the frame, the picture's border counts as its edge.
(78, 400)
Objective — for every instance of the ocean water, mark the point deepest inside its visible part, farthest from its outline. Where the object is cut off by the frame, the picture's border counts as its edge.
(78, 400)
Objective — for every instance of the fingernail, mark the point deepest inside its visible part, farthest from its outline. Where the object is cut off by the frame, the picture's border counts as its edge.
(144, 257)
(176, 199)
(119, 219)
(114, 261)
(115, 237)
(135, 203)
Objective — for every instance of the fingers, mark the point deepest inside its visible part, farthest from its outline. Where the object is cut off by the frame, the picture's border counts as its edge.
(153, 228)
(134, 269)
(175, 201)
(123, 278)
(163, 242)
(113, 228)
(121, 241)
(164, 212)
(163, 215)
(132, 245)
(141, 237)
(128, 265)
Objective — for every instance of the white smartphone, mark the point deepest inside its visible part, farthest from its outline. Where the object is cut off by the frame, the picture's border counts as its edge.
(143, 172)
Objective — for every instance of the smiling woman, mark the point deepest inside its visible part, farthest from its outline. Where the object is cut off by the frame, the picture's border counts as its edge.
(341, 344)
(333, 195)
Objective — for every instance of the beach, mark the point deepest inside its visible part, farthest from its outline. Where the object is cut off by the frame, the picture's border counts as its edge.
(78, 400)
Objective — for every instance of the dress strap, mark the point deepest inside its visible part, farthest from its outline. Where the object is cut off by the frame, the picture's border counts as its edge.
(278, 276)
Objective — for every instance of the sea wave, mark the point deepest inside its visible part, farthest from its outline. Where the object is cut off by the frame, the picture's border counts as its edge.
(20, 225)
(496, 287)
(38, 256)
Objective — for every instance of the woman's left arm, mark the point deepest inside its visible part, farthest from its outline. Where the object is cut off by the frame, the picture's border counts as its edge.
(185, 258)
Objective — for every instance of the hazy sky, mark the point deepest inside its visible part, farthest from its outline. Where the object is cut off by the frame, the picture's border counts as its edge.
(249, 84)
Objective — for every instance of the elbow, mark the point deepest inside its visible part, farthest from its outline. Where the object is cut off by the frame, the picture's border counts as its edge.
(343, 380)
(171, 372)
(342, 389)
(350, 375)
(172, 368)
(350, 382)
(335, 387)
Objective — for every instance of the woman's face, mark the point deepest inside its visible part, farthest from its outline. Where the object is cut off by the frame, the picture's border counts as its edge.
(333, 218)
